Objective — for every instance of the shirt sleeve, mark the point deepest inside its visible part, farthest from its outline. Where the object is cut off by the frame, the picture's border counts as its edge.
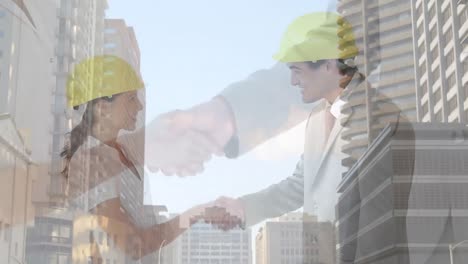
(276, 200)
(264, 105)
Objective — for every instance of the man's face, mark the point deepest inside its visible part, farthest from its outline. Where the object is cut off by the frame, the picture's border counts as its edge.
(311, 80)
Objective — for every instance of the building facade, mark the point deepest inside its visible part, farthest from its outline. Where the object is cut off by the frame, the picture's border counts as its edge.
(414, 55)
(383, 32)
(16, 210)
(295, 238)
(405, 203)
(441, 65)
(71, 32)
(204, 243)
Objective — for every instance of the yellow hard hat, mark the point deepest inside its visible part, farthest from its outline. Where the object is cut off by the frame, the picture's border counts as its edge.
(317, 36)
(101, 76)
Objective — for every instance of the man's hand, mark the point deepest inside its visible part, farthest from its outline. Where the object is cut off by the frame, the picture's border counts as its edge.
(172, 147)
(180, 142)
(224, 213)
(214, 118)
(232, 205)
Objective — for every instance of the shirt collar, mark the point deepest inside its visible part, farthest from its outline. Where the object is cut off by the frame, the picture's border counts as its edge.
(335, 108)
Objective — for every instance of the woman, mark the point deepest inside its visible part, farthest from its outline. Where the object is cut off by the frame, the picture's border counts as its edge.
(105, 176)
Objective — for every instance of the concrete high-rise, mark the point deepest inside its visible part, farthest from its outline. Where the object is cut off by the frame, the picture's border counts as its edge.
(17, 173)
(383, 31)
(295, 238)
(207, 244)
(441, 65)
(25, 76)
(71, 31)
(414, 55)
(405, 203)
(120, 40)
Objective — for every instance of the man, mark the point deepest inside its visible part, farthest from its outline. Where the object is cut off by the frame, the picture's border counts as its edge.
(310, 49)
(322, 67)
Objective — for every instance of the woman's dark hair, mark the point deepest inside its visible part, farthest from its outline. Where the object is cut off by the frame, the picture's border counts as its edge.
(344, 69)
(79, 133)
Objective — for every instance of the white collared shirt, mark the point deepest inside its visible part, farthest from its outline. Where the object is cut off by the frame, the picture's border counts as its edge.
(335, 108)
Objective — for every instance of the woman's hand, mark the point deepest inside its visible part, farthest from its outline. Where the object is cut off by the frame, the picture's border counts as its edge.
(225, 213)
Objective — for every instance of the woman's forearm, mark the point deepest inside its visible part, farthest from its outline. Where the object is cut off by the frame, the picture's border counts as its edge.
(157, 236)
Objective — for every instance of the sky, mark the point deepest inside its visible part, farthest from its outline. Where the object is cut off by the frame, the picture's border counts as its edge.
(190, 51)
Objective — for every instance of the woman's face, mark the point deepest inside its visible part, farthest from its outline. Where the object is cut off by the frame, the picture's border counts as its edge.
(123, 110)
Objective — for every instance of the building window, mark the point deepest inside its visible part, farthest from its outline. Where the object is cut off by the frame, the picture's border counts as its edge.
(91, 236)
(448, 36)
(451, 80)
(466, 115)
(432, 11)
(433, 32)
(7, 232)
(422, 68)
(436, 74)
(446, 14)
(424, 88)
(419, 11)
(108, 240)
(437, 95)
(63, 259)
(109, 45)
(422, 48)
(449, 58)
(435, 53)
(420, 29)
(101, 238)
(110, 31)
(452, 104)
(463, 16)
(438, 116)
(465, 88)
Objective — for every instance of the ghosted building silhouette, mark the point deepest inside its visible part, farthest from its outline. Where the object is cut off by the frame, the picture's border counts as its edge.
(295, 238)
(414, 55)
(205, 243)
(405, 203)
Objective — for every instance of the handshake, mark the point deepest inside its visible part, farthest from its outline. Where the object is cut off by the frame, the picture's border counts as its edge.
(180, 142)
(224, 213)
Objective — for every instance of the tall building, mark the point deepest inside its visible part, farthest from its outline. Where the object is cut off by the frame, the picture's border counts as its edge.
(80, 35)
(295, 238)
(414, 53)
(121, 41)
(16, 172)
(7, 51)
(407, 203)
(441, 65)
(399, 41)
(383, 31)
(71, 31)
(24, 68)
(206, 244)
(107, 240)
